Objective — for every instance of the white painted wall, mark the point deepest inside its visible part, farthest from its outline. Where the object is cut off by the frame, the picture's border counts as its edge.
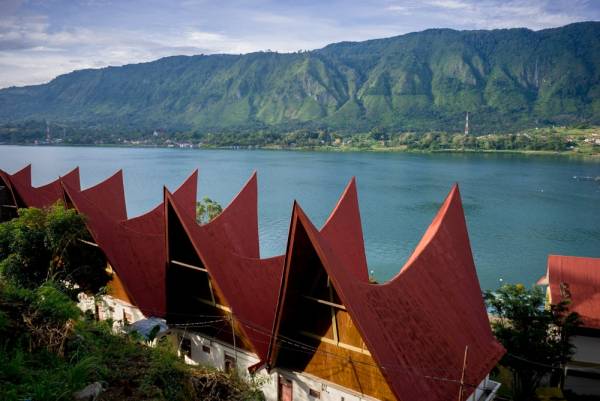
(302, 382)
(587, 349)
(112, 308)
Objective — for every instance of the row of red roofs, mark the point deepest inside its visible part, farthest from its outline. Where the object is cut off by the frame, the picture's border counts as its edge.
(420, 320)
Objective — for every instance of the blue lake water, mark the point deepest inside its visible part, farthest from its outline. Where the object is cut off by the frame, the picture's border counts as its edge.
(519, 208)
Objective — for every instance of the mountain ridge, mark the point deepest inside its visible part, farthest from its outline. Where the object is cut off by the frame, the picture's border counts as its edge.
(508, 79)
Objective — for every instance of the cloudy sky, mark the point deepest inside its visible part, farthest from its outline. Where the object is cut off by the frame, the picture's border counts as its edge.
(40, 39)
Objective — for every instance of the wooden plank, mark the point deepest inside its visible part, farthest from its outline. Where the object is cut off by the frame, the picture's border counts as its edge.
(212, 293)
(333, 342)
(324, 302)
(88, 243)
(178, 263)
(334, 325)
(216, 305)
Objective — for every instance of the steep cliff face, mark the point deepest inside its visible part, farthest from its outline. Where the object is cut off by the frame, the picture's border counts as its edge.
(512, 78)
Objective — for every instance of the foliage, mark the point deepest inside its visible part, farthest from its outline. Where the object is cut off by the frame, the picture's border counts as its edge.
(45, 244)
(507, 80)
(207, 209)
(537, 339)
(49, 349)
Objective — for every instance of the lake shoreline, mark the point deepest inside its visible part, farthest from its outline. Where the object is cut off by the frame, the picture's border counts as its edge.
(334, 149)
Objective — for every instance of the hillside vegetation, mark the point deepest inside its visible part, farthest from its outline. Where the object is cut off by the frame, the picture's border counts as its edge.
(509, 79)
(50, 349)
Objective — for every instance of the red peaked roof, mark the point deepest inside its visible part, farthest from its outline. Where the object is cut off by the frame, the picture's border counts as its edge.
(237, 226)
(45, 195)
(343, 228)
(138, 257)
(417, 325)
(109, 195)
(229, 249)
(251, 285)
(579, 279)
(152, 222)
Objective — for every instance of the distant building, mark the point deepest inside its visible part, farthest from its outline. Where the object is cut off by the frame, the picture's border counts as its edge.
(578, 279)
(467, 124)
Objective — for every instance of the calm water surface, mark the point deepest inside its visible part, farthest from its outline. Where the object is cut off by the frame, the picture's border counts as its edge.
(519, 209)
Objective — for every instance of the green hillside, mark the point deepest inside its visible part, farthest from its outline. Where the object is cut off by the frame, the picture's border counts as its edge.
(507, 79)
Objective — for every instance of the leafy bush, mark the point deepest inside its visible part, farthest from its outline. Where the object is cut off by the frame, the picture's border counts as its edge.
(43, 244)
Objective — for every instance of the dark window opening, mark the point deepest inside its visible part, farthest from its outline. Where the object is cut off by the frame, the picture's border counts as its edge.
(314, 393)
(206, 348)
(229, 363)
(186, 347)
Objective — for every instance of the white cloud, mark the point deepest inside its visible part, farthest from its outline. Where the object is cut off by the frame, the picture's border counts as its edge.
(450, 4)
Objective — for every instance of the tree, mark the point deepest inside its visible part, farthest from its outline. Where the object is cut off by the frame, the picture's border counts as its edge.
(207, 209)
(537, 338)
(45, 244)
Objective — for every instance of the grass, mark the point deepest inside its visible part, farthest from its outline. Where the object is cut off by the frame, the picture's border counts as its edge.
(42, 369)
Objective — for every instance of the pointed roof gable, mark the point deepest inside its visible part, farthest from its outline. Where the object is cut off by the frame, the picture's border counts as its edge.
(238, 223)
(110, 196)
(138, 257)
(343, 229)
(417, 325)
(45, 195)
(577, 279)
(153, 220)
(229, 249)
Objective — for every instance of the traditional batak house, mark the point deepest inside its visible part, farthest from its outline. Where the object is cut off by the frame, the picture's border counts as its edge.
(220, 294)
(424, 335)
(17, 191)
(577, 280)
(134, 248)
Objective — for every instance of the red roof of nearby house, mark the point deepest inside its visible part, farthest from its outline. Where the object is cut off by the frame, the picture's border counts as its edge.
(576, 278)
(43, 196)
(138, 257)
(109, 195)
(417, 325)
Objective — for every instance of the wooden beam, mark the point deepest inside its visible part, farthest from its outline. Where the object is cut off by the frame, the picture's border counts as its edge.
(178, 263)
(322, 301)
(88, 243)
(336, 336)
(212, 293)
(333, 342)
(210, 287)
(216, 305)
